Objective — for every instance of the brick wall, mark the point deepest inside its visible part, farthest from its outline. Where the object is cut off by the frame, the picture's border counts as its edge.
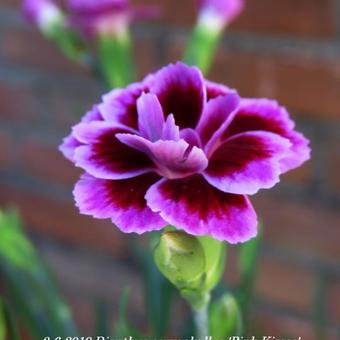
(284, 49)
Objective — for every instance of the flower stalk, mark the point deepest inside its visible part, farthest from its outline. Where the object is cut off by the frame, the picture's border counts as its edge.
(201, 322)
(202, 46)
(115, 58)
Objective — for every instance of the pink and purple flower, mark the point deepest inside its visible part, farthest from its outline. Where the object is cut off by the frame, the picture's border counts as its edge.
(106, 16)
(177, 149)
(42, 13)
(219, 12)
(89, 16)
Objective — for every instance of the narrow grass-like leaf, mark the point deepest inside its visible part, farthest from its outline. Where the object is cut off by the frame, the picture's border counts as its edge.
(102, 318)
(159, 292)
(248, 259)
(33, 294)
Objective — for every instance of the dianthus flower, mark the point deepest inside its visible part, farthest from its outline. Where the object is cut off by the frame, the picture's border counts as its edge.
(91, 17)
(219, 13)
(42, 13)
(105, 16)
(176, 149)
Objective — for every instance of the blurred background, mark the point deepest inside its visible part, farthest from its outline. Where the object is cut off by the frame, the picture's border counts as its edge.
(283, 49)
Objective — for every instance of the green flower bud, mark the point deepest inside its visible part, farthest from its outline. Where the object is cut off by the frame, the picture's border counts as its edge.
(193, 264)
(181, 259)
(225, 318)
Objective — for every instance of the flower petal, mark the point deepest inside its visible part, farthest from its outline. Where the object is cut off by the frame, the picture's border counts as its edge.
(120, 105)
(104, 156)
(247, 162)
(217, 113)
(150, 117)
(170, 130)
(174, 159)
(181, 92)
(215, 90)
(267, 115)
(195, 206)
(70, 143)
(68, 147)
(191, 137)
(121, 200)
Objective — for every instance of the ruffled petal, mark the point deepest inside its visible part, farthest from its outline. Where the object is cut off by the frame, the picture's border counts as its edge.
(150, 117)
(216, 115)
(120, 105)
(104, 156)
(68, 146)
(195, 206)
(121, 200)
(181, 92)
(174, 159)
(215, 90)
(267, 115)
(70, 143)
(247, 162)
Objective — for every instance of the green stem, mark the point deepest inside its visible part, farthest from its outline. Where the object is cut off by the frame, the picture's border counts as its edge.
(202, 46)
(201, 322)
(115, 58)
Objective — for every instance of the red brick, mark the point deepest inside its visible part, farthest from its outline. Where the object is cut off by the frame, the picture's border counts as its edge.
(301, 175)
(308, 229)
(17, 103)
(174, 13)
(45, 161)
(5, 150)
(59, 220)
(333, 179)
(271, 324)
(145, 56)
(296, 17)
(11, 3)
(231, 273)
(28, 47)
(89, 277)
(308, 86)
(285, 284)
(334, 302)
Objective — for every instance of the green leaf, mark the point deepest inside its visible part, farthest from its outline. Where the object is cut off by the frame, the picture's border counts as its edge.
(123, 329)
(8, 327)
(3, 326)
(14, 246)
(102, 318)
(320, 306)
(33, 294)
(249, 253)
(225, 318)
(159, 292)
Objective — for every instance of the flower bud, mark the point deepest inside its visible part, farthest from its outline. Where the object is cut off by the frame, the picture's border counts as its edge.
(181, 259)
(225, 318)
(193, 264)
